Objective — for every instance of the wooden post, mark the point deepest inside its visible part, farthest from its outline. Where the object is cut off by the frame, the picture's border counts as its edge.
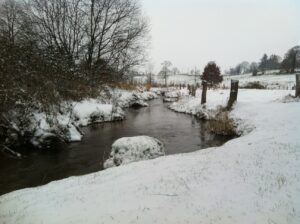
(204, 90)
(193, 90)
(297, 85)
(233, 93)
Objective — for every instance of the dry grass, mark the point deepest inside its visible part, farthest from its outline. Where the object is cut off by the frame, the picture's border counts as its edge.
(222, 124)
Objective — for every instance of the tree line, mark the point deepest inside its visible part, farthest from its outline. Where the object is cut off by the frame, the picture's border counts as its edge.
(289, 63)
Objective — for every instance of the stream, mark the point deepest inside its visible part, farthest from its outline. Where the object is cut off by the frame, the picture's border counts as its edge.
(181, 133)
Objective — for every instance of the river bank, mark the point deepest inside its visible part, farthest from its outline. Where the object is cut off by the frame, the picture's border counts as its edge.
(254, 179)
(61, 160)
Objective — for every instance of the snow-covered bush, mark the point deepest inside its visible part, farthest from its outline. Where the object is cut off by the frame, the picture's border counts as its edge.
(131, 149)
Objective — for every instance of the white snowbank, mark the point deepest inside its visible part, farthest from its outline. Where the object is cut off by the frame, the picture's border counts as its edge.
(130, 98)
(61, 126)
(251, 179)
(66, 123)
(131, 149)
(175, 93)
(92, 111)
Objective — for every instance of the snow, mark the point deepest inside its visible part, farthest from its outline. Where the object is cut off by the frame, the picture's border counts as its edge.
(178, 79)
(172, 94)
(73, 115)
(251, 179)
(92, 111)
(129, 98)
(217, 98)
(131, 149)
(74, 135)
(271, 81)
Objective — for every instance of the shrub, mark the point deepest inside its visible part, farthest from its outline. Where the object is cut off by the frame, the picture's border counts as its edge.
(222, 124)
(254, 85)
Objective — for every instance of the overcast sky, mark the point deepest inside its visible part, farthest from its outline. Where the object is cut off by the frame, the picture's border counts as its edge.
(191, 33)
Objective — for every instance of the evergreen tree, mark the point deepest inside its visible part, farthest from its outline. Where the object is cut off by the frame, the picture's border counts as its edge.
(273, 62)
(263, 63)
(212, 74)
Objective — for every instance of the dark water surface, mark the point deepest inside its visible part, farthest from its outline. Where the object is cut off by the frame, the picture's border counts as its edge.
(180, 133)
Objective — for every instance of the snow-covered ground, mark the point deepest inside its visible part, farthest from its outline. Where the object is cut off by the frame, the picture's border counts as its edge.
(171, 79)
(269, 81)
(252, 179)
(131, 149)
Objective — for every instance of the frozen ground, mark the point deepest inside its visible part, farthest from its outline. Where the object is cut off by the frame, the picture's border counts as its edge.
(131, 149)
(171, 80)
(269, 81)
(251, 179)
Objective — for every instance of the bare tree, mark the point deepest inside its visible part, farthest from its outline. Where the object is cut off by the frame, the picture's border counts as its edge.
(115, 32)
(59, 24)
(10, 13)
(165, 70)
(99, 33)
(149, 72)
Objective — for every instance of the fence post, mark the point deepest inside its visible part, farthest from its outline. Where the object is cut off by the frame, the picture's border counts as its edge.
(204, 90)
(297, 85)
(193, 90)
(233, 93)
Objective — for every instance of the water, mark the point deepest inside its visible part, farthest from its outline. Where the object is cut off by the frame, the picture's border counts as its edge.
(180, 133)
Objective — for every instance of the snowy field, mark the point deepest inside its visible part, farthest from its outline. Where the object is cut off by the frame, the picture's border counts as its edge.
(171, 80)
(252, 179)
(269, 81)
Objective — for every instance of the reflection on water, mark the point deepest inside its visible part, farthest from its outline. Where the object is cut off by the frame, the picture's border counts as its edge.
(180, 133)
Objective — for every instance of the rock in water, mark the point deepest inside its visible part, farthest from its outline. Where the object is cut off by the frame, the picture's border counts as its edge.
(131, 149)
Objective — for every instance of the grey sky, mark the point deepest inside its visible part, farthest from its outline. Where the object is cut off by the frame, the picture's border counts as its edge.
(190, 33)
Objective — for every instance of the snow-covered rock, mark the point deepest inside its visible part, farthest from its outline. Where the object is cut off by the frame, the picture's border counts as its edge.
(131, 149)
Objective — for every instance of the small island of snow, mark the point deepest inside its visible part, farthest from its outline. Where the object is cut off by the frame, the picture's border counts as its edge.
(131, 149)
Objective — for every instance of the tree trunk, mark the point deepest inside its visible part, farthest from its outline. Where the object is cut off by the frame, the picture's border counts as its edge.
(293, 63)
(193, 90)
(204, 90)
(166, 84)
(233, 93)
(297, 85)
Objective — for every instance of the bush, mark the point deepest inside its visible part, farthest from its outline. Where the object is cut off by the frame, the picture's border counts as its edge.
(254, 85)
(222, 124)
